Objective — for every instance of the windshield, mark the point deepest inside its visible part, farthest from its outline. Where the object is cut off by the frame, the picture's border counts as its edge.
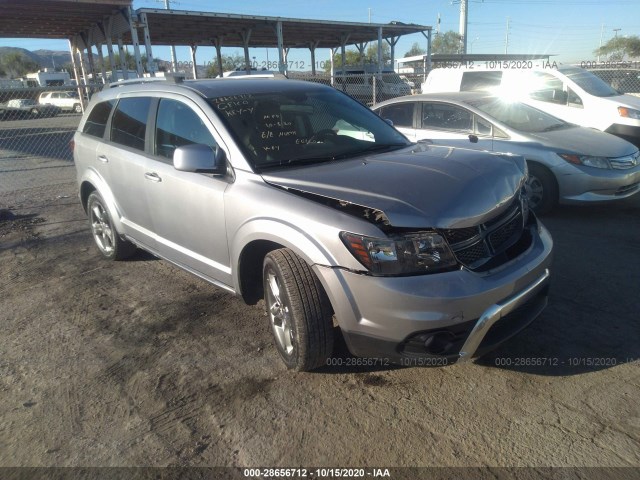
(286, 129)
(519, 116)
(590, 83)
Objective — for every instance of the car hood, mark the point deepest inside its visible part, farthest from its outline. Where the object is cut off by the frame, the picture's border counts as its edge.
(417, 187)
(585, 141)
(626, 100)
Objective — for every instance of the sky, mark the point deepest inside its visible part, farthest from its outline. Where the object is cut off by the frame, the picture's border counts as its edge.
(569, 29)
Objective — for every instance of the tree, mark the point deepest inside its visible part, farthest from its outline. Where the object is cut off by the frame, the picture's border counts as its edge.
(229, 63)
(447, 42)
(16, 64)
(352, 58)
(415, 50)
(617, 48)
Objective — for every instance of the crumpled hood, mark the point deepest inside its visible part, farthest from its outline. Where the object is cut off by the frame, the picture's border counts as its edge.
(417, 187)
(585, 141)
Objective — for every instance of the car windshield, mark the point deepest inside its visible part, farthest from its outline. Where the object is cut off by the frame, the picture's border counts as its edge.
(287, 129)
(590, 83)
(519, 116)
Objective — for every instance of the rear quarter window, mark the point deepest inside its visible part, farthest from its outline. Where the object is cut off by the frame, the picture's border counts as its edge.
(97, 119)
(474, 81)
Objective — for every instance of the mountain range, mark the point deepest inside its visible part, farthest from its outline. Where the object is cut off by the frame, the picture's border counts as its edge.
(44, 58)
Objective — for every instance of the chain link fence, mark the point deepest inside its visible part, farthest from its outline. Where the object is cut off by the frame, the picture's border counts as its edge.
(625, 80)
(39, 121)
(367, 88)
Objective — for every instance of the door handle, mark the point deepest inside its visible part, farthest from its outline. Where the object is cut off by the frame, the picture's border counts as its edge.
(154, 177)
(103, 159)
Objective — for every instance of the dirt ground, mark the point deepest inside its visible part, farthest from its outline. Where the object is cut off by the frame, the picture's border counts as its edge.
(138, 363)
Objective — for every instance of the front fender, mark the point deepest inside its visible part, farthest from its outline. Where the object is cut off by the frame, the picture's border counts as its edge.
(289, 235)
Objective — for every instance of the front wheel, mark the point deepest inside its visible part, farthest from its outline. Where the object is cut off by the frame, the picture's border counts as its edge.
(299, 311)
(111, 246)
(542, 189)
(77, 108)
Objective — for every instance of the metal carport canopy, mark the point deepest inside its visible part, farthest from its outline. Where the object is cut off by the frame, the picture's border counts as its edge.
(177, 27)
(60, 19)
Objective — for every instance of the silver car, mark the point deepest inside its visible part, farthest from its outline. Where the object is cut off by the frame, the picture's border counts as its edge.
(422, 255)
(567, 163)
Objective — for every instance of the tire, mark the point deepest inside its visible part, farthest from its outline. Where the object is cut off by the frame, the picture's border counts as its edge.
(107, 239)
(35, 112)
(542, 189)
(77, 108)
(299, 311)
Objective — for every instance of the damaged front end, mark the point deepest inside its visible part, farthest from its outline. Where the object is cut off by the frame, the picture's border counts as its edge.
(411, 251)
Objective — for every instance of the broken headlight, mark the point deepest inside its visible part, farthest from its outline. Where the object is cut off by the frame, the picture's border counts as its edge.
(408, 254)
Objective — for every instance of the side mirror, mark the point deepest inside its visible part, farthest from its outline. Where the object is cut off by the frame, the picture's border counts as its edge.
(389, 121)
(199, 158)
(473, 138)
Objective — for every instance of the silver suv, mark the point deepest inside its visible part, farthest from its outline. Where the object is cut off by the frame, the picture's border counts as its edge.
(422, 255)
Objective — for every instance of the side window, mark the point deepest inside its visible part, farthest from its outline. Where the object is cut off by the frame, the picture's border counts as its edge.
(472, 81)
(482, 127)
(178, 125)
(447, 117)
(129, 124)
(548, 88)
(97, 120)
(573, 99)
(401, 114)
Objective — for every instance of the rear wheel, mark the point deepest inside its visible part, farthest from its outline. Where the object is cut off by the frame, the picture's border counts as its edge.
(77, 108)
(299, 311)
(111, 246)
(542, 189)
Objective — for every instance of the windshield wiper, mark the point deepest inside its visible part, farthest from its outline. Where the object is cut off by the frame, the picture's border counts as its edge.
(555, 126)
(339, 156)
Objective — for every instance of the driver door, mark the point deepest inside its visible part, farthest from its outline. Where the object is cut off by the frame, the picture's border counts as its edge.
(187, 208)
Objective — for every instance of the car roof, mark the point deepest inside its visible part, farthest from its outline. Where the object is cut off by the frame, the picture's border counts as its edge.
(217, 87)
(455, 97)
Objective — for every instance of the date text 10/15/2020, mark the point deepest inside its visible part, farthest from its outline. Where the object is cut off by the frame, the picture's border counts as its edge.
(267, 65)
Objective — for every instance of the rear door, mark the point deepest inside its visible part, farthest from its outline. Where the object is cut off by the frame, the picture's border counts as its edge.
(445, 124)
(124, 158)
(187, 208)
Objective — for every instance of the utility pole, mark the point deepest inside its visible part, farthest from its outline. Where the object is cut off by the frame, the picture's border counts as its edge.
(174, 64)
(369, 14)
(464, 8)
(506, 38)
(601, 32)
(438, 25)
(615, 40)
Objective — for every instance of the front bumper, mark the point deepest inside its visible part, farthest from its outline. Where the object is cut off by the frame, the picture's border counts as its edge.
(578, 184)
(394, 317)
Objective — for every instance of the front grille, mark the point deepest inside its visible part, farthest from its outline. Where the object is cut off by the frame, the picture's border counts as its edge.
(502, 235)
(458, 235)
(477, 246)
(623, 163)
(470, 255)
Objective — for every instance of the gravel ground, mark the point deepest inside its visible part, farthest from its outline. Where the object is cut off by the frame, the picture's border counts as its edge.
(138, 363)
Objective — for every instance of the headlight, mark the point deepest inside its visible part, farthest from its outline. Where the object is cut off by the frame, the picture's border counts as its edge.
(586, 160)
(413, 253)
(629, 113)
